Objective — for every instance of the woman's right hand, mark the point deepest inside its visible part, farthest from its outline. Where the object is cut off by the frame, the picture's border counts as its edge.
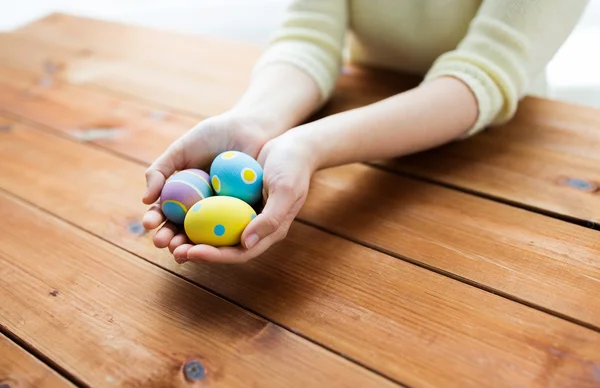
(196, 149)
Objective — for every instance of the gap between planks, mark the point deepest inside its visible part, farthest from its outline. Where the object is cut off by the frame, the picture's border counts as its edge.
(54, 25)
(122, 94)
(458, 278)
(388, 252)
(35, 353)
(35, 133)
(537, 210)
(109, 145)
(548, 213)
(74, 379)
(66, 374)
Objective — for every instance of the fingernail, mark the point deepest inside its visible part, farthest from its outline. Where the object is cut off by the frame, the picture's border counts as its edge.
(181, 260)
(251, 241)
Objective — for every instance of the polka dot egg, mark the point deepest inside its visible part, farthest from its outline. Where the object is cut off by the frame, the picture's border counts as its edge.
(218, 221)
(236, 174)
(181, 191)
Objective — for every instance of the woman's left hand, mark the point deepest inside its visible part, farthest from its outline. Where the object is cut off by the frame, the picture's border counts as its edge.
(288, 165)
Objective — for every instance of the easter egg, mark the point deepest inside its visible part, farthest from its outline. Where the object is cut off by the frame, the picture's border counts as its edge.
(218, 221)
(181, 191)
(236, 174)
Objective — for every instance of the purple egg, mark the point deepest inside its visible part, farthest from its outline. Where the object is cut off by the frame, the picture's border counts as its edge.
(181, 191)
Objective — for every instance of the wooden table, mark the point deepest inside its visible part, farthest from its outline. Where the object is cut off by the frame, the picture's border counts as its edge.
(473, 265)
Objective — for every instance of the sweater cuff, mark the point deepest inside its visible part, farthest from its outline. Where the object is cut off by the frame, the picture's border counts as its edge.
(488, 95)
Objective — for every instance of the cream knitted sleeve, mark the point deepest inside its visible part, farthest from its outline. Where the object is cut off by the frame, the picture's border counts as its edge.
(312, 38)
(508, 44)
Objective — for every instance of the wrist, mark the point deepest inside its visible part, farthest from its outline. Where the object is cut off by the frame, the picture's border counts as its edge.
(309, 140)
(259, 117)
(276, 108)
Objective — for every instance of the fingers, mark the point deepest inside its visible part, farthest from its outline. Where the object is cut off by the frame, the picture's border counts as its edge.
(181, 253)
(163, 237)
(178, 240)
(155, 180)
(171, 160)
(153, 217)
(225, 255)
(281, 199)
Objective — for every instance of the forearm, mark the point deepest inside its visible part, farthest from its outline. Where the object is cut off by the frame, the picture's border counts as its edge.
(425, 117)
(297, 72)
(279, 97)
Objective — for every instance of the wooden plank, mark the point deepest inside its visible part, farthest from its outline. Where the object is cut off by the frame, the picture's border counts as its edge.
(112, 319)
(544, 159)
(424, 329)
(90, 116)
(138, 130)
(19, 369)
(110, 73)
(82, 51)
(507, 250)
(218, 68)
(82, 33)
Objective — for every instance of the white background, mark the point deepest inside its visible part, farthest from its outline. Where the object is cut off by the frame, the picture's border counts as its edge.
(573, 74)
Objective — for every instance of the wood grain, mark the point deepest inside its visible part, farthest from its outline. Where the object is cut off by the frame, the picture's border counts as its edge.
(128, 128)
(112, 319)
(545, 159)
(82, 51)
(19, 369)
(532, 258)
(220, 69)
(423, 329)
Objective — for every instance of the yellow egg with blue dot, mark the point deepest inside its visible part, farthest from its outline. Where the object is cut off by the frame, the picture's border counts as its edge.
(236, 174)
(218, 221)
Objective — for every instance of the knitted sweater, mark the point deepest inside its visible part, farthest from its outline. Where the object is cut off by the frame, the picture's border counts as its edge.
(499, 48)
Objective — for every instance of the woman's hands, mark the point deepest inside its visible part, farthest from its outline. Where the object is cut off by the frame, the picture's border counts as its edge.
(288, 167)
(265, 111)
(422, 118)
(196, 149)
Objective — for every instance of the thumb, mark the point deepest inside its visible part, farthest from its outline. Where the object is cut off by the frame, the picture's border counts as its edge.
(280, 201)
(163, 167)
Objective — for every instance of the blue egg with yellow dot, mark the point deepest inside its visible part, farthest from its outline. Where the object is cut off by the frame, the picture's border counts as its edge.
(236, 174)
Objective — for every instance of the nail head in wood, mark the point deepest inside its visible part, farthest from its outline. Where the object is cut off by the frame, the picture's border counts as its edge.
(581, 184)
(193, 370)
(136, 228)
